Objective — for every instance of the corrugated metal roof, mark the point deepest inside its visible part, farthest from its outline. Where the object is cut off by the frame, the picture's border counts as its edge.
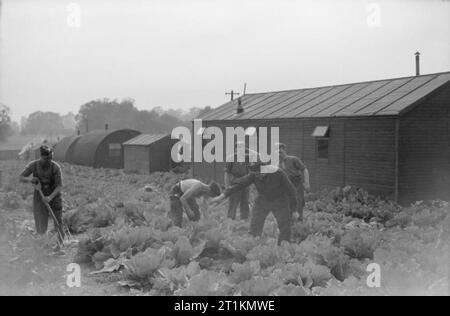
(145, 139)
(372, 98)
(61, 152)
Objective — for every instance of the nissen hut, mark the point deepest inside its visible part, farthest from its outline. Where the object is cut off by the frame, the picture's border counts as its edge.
(102, 148)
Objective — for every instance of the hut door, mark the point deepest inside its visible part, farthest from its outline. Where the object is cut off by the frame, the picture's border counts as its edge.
(115, 155)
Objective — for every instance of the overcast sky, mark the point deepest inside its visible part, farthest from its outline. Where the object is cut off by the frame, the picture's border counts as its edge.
(184, 53)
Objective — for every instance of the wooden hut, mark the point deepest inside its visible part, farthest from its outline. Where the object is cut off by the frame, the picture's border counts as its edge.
(148, 153)
(391, 137)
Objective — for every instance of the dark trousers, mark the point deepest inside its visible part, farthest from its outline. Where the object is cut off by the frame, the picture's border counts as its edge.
(177, 209)
(41, 215)
(280, 209)
(241, 199)
(300, 195)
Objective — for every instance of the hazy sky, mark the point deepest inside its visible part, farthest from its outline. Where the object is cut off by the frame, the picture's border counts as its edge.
(184, 53)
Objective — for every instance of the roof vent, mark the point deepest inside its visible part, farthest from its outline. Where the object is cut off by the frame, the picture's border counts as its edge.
(240, 108)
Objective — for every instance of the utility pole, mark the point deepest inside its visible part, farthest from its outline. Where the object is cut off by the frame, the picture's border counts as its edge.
(232, 93)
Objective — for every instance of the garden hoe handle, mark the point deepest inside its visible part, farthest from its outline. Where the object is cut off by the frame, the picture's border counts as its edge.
(55, 220)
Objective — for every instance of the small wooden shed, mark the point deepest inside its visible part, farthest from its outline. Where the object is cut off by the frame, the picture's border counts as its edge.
(148, 153)
(391, 137)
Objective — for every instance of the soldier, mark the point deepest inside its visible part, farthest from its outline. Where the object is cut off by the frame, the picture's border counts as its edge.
(46, 177)
(184, 195)
(298, 174)
(275, 194)
(235, 170)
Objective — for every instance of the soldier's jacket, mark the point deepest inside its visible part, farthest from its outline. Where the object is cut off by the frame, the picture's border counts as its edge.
(294, 169)
(236, 169)
(270, 186)
(49, 178)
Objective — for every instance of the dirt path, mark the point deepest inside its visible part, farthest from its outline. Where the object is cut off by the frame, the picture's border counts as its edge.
(27, 269)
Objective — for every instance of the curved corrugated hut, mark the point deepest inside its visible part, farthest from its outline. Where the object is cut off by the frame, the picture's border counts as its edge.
(102, 148)
(64, 149)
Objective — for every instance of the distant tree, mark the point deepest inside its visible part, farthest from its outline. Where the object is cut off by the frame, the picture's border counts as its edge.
(69, 122)
(15, 128)
(23, 122)
(5, 122)
(43, 123)
(178, 113)
(183, 115)
(123, 114)
(204, 111)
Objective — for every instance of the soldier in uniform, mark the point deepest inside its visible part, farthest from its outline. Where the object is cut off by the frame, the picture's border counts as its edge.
(235, 170)
(276, 194)
(298, 174)
(46, 177)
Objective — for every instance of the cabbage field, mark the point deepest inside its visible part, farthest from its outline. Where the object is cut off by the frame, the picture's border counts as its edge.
(126, 245)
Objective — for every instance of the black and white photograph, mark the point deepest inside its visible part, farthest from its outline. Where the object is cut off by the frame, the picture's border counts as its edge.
(223, 155)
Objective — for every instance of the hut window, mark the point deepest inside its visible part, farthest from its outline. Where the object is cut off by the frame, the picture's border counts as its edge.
(322, 148)
(115, 150)
(200, 132)
(251, 131)
(322, 133)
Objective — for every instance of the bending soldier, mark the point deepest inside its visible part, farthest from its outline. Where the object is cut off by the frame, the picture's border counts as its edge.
(184, 195)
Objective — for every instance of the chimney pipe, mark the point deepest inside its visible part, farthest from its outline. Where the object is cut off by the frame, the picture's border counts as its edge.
(106, 127)
(417, 63)
(240, 108)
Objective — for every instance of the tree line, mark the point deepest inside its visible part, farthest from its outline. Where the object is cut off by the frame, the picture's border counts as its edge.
(96, 114)
(5, 123)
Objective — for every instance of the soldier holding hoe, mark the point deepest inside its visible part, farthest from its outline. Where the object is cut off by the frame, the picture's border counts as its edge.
(298, 174)
(276, 194)
(47, 181)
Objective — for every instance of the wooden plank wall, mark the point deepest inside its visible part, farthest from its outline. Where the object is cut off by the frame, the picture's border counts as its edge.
(160, 155)
(362, 152)
(370, 157)
(425, 150)
(136, 159)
